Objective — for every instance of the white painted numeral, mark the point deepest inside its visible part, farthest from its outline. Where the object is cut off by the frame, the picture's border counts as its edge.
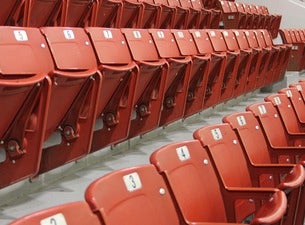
(180, 34)
(161, 34)
(57, 219)
(108, 34)
(197, 34)
(183, 153)
(137, 34)
(262, 109)
(299, 87)
(20, 35)
(289, 93)
(277, 100)
(241, 120)
(216, 133)
(132, 181)
(69, 34)
(213, 34)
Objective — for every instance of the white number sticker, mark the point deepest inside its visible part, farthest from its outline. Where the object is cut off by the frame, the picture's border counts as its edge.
(212, 33)
(262, 109)
(160, 34)
(289, 93)
(20, 35)
(180, 34)
(216, 133)
(183, 153)
(236, 33)
(132, 182)
(108, 34)
(57, 219)
(225, 33)
(299, 88)
(137, 34)
(247, 33)
(277, 100)
(241, 120)
(197, 34)
(69, 34)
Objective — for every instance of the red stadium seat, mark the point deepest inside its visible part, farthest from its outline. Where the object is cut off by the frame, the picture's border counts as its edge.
(284, 54)
(39, 13)
(205, 14)
(78, 13)
(120, 75)
(262, 57)
(229, 158)
(167, 14)
(216, 69)
(108, 13)
(232, 18)
(275, 131)
(272, 57)
(199, 73)
(11, 13)
(71, 213)
(256, 146)
(297, 57)
(254, 59)
(244, 64)
(153, 73)
(187, 167)
(24, 96)
(177, 83)
(140, 196)
(232, 64)
(74, 95)
(297, 99)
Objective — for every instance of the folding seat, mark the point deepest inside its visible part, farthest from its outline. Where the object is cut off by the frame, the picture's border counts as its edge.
(186, 167)
(287, 146)
(249, 17)
(205, 14)
(251, 10)
(120, 75)
(263, 57)
(273, 59)
(140, 196)
(177, 83)
(275, 131)
(25, 92)
(284, 54)
(194, 14)
(11, 13)
(215, 18)
(39, 13)
(242, 15)
(297, 51)
(150, 89)
(216, 69)
(78, 13)
(71, 213)
(151, 14)
(108, 13)
(74, 95)
(254, 62)
(296, 95)
(244, 63)
(229, 159)
(287, 114)
(232, 18)
(181, 14)
(257, 148)
(275, 21)
(199, 72)
(232, 64)
(143, 186)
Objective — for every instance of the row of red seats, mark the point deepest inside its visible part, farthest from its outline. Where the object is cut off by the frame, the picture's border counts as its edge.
(295, 37)
(77, 90)
(247, 169)
(236, 15)
(109, 13)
